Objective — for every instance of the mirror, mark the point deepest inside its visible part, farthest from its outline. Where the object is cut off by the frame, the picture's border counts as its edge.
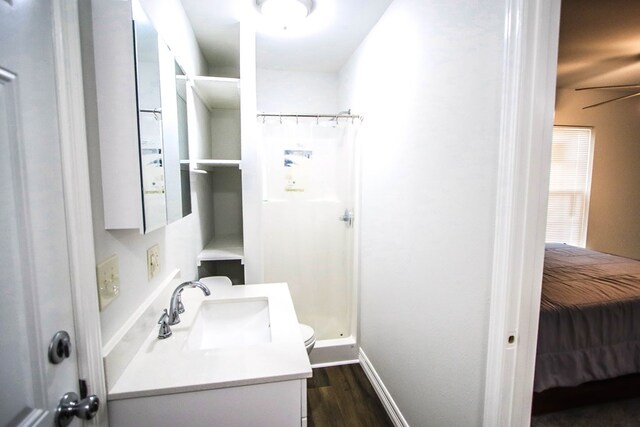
(150, 130)
(162, 127)
(179, 198)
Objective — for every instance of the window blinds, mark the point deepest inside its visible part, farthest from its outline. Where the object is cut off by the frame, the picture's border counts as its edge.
(569, 185)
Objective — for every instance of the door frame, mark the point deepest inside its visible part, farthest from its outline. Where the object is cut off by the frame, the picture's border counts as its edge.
(531, 43)
(77, 199)
(530, 71)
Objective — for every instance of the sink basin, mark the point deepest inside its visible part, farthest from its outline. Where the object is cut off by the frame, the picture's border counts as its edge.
(230, 323)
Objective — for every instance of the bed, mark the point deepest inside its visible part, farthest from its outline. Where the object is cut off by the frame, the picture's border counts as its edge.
(589, 318)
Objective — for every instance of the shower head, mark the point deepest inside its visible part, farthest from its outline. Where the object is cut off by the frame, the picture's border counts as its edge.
(334, 121)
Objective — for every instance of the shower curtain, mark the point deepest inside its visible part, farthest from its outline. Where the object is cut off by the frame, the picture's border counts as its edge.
(308, 183)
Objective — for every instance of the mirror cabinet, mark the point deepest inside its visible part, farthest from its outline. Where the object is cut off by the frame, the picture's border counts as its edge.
(141, 114)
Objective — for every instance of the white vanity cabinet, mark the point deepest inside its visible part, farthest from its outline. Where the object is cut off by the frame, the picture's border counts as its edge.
(191, 379)
(278, 404)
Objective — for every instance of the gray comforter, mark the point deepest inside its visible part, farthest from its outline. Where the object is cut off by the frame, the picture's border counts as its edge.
(589, 317)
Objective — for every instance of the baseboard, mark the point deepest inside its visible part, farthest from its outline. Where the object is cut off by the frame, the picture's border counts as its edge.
(387, 401)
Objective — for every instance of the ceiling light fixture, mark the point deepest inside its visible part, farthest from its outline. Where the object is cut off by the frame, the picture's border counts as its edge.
(285, 12)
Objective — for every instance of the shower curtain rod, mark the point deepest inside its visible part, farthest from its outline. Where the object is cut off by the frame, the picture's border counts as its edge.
(313, 116)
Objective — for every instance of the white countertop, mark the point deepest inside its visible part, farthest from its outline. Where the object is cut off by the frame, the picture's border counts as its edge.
(163, 367)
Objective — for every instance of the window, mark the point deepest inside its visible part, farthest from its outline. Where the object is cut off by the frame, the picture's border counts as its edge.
(569, 185)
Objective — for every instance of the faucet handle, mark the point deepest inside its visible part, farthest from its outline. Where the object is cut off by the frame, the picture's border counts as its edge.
(163, 317)
(165, 329)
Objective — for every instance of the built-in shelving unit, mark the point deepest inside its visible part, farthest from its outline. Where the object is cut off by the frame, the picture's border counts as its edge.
(221, 107)
(224, 253)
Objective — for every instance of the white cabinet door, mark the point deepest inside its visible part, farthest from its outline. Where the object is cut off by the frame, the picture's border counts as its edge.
(277, 404)
(35, 289)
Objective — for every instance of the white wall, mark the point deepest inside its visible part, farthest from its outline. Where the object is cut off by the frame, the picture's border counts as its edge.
(178, 241)
(615, 185)
(428, 79)
(171, 22)
(201, 184)
(225, 134)
(297, 92)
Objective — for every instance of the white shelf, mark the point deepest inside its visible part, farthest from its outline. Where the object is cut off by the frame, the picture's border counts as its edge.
(222, 249)
(218, 92)
(209, 164)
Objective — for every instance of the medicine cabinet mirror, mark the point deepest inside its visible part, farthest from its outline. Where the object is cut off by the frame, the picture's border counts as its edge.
(162, 127)
(179, 198)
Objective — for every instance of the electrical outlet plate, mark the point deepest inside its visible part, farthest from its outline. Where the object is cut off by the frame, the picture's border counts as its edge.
(108, 273)
(153, 261)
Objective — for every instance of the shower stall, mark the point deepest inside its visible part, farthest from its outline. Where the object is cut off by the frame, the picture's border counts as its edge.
(310, 222)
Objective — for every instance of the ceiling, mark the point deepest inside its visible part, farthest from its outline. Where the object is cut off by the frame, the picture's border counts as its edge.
(328, 37)
(599, 43)
(599, 40)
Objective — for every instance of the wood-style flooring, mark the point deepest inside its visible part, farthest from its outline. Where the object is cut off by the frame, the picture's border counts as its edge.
(340, 396)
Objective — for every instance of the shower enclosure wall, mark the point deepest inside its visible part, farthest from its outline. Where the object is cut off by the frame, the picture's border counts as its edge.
(309, 224)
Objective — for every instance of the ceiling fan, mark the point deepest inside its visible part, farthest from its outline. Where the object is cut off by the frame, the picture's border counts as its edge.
(635, 93)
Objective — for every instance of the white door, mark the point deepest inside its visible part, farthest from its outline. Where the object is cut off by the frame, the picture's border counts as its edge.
(35, 290)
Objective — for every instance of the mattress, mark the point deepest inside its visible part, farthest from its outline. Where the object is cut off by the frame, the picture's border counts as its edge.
(589, 317)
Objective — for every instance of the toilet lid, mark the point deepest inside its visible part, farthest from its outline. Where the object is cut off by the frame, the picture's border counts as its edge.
(213, 282)
(307, 333)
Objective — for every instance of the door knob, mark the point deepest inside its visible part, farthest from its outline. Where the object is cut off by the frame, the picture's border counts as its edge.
(71, 406)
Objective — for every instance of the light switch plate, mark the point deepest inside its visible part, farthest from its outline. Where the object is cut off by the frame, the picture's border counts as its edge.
(153, 261)
(108, 273)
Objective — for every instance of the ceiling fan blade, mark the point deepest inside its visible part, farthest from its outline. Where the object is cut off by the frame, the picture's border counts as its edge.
(611, 100)
(636, 86)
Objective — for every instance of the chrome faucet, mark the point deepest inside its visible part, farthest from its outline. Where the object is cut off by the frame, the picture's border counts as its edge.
(172, 317)
(175, 306)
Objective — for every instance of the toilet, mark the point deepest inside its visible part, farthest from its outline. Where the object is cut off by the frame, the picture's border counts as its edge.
(216, 282)
(308, 336)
